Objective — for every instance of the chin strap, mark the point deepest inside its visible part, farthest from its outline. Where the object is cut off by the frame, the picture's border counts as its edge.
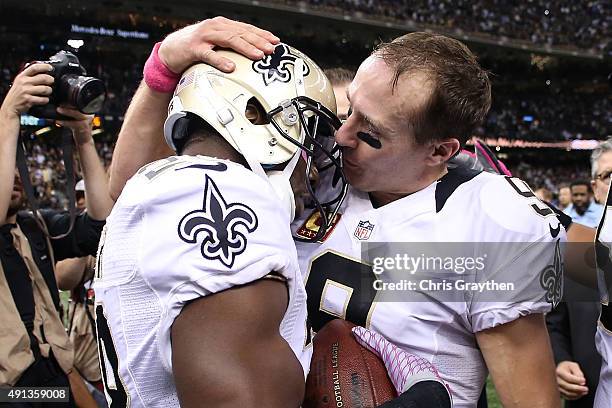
(281, 184)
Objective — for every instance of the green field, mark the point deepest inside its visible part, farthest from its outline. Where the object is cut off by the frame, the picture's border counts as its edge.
(492, 395)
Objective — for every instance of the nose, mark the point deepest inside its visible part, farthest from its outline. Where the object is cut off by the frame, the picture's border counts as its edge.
(346, 135)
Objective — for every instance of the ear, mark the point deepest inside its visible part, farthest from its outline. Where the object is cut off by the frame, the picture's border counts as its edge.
(593, 184)
(442, 151)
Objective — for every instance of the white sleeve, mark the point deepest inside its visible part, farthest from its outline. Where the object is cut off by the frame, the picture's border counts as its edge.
(524, 248)
(208, 231)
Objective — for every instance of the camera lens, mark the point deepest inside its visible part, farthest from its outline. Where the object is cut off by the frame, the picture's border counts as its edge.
(87, 94)
(92, 96)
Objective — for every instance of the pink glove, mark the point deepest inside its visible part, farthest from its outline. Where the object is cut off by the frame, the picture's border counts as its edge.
(404, 369)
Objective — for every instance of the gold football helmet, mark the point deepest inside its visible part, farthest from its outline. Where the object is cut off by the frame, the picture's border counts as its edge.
(270, 111)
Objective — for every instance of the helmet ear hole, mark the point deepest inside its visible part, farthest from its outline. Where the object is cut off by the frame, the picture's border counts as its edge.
(189, 128)
(255, 112)
(180, 131)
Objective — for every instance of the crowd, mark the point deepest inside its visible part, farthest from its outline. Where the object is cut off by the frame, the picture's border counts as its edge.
(47, 171)
(48, 176)
(530, 117)
(545, 118)
(543, 22)
(553, 178)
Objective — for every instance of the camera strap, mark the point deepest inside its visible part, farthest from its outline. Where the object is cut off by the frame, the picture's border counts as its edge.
(68, 157)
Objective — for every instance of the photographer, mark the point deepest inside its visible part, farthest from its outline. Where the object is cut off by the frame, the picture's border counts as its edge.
(34, 347)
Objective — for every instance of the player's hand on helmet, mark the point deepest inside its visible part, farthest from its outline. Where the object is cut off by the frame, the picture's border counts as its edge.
(196, 43)
(31, 87)
(404, 369)
(80, 124)
(571, 380)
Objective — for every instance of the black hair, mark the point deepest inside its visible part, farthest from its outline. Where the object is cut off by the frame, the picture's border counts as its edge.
(581, 183)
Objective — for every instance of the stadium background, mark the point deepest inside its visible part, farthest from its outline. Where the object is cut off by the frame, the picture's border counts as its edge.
(549, 60)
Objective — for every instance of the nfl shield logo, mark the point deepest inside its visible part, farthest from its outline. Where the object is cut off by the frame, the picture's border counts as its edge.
(363, 230)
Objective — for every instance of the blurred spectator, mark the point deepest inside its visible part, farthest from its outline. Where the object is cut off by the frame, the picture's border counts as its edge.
(583, 209)
(544, 194)
(549, 176)
(565, 197)
(340, 79)
(601, 168)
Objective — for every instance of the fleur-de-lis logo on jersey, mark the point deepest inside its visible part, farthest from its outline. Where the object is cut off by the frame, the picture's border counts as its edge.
(274, 67)
(222, 227)
(551, 278)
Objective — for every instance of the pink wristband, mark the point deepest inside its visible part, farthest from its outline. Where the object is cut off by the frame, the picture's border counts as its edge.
(157, 75)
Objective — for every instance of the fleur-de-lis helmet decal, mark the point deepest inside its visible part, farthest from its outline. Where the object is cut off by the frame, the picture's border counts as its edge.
(222, 227)
(274, 67)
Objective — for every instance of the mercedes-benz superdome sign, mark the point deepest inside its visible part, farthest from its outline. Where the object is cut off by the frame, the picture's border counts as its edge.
(109, 32)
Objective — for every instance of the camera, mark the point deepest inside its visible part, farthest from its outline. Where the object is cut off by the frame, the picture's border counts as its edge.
(71, 87)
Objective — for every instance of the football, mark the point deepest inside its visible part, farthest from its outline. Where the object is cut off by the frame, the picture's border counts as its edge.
(343, 373)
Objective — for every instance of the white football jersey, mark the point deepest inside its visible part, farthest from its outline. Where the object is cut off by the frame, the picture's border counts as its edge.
(183, 228)
(518, 236)
(603, 336)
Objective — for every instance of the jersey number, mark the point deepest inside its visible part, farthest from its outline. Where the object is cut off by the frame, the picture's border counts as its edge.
(155, 169)
(524, 190)
(339, 287)
(109, 363)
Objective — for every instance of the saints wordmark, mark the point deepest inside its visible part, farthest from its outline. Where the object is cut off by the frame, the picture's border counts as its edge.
(222, 227)
(274, 67)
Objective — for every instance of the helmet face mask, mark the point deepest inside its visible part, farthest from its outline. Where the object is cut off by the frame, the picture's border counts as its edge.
(269, 111)
(319, 125)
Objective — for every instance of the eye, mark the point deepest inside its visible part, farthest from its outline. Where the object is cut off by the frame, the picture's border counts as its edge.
(350, 112)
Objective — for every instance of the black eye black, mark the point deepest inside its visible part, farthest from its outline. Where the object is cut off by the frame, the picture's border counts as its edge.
(369, 139)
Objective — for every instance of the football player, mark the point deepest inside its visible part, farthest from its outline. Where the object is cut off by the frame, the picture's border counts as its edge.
(199, 299)
(395, 157)
(603, 336)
